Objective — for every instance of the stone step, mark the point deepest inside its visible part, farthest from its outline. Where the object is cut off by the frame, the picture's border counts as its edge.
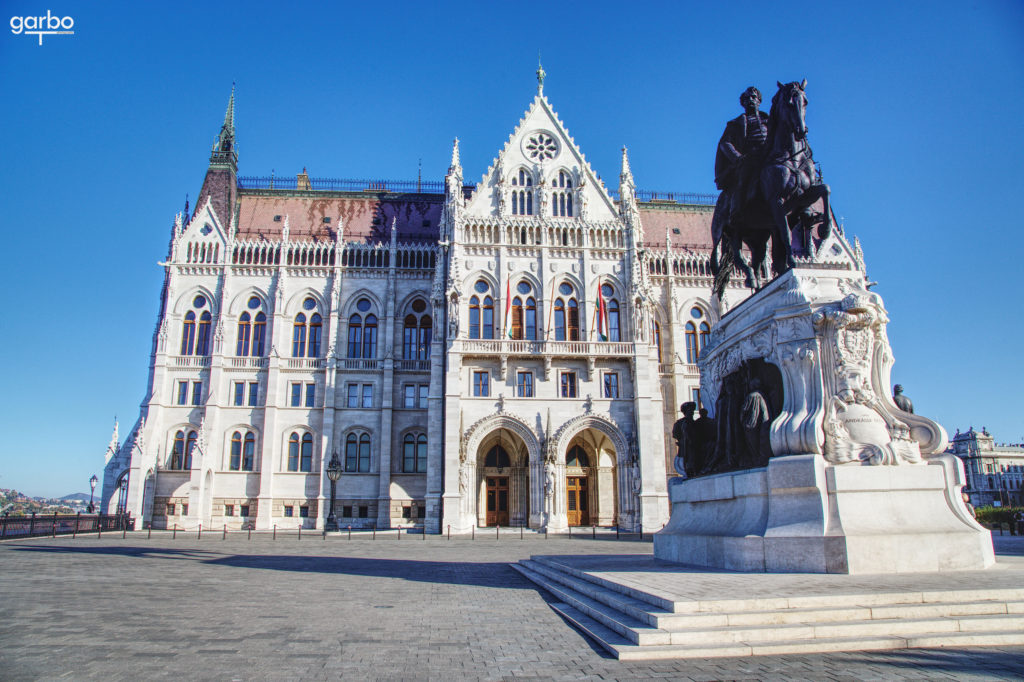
(635, 631)
(624, 649)
(640, 610)
(820, 601)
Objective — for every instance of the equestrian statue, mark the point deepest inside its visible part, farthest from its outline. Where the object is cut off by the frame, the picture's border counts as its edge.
(765, 169)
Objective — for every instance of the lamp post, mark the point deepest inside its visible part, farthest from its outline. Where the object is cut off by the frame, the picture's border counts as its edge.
(92, 490)
(333, 473)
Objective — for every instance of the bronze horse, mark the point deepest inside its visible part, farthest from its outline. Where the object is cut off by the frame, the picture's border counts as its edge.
(787, 186)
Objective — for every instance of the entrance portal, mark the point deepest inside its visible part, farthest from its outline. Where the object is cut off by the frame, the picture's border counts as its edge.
(576, 500)
(497, 500)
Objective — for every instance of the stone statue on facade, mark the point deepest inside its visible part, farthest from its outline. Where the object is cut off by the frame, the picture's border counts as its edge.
(902, 401)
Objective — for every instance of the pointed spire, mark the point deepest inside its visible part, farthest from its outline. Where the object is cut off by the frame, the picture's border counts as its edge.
(540, 76)
(286, 230)
(456, 164)
(224, 150)
(626, 174)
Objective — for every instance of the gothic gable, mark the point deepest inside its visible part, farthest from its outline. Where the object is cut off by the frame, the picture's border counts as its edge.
(541, 173)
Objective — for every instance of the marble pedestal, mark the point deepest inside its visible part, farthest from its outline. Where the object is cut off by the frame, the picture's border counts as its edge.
(802, 514)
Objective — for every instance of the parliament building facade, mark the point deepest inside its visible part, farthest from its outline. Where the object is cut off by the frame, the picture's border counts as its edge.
(509, 352)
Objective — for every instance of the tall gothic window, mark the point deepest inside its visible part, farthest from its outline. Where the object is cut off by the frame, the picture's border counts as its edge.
(357, 453)
(355, 335)
(243, 451)
(414, 454)
(574, 320)
(299, 336)
(522, 193)
(612, 310)
(416, 333)
(692, 349)
(188, 333)
(561, 197)
(259, 335)
(315, 332)
(244, 333)
(203, 334)
(517, 318)
(370, 336)
(181, 450)
(656, 332)
(530, 319)
(300, 452)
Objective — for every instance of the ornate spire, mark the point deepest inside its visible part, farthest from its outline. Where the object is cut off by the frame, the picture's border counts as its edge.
(224, 150)
(456, 164)
(540, 76)
(626, 175)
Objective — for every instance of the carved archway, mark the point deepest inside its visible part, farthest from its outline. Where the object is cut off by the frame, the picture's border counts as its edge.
(559, 443)
(476, 433)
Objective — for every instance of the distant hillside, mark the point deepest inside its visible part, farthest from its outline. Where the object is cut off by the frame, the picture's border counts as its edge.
(84, 497)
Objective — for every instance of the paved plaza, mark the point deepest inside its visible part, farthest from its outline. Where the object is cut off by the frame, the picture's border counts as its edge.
(414, 608)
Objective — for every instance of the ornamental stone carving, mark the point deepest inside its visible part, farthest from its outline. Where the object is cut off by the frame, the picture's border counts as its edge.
(826, 333)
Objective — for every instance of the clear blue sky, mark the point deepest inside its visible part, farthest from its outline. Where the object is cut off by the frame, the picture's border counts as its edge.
(914, 115)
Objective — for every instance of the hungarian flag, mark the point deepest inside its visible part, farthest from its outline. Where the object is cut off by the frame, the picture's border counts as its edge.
(508, 310)
(602, 316)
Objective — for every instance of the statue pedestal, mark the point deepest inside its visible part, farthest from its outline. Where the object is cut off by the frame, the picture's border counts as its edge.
(801, 514)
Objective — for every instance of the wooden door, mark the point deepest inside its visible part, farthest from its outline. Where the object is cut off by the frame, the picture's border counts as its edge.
(497, 500)
(577, 508)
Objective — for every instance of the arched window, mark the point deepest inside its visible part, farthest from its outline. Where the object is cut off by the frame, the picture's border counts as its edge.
(248, 452)
(355, 335)
(530, 319)
(487, 325)
(409, 337)
(574, 320)
(259, 335)
(612, 310)
(416, 333)
(203, 335)
(293, 452)
(560, 320)
(190, 445)
(315, 329)
(370, 337)
(178, 451)
(692, 349)
(517, 318)
(705, 334)
(497, 458)
(357, 453)
(522, 193)
(414, 454)
(561, 198)
(474, 318)
(243, 451)
(244, 331)
(188, 333)
(306, 463)
(299, 336)
(577, 457)
(656, 332)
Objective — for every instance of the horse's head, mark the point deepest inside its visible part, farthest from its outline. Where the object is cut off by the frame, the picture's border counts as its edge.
(789, 107)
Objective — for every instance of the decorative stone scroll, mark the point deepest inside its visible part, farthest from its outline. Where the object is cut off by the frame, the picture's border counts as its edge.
(825, 331)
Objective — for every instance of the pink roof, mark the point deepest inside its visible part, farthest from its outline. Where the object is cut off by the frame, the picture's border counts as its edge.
(364, 218)
(693, 223)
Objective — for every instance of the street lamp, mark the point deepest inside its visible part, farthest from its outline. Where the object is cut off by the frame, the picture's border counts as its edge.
(333, 473)
(92, 490)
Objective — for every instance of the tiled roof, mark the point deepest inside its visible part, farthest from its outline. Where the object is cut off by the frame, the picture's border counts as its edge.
(365, 218)
(693, 223)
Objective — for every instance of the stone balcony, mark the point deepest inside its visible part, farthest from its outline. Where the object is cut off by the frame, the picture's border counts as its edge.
(570, 349)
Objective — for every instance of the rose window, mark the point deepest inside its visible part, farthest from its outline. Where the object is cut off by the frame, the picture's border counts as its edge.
(541, 147)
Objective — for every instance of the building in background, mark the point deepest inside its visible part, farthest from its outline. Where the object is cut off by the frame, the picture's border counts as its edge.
(510, 352)
(995, 472)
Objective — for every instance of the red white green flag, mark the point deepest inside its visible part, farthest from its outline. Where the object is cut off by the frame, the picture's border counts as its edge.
(508, 310)
(602, 316)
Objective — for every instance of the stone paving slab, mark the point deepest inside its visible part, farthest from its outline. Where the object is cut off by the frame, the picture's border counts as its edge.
(213, 609)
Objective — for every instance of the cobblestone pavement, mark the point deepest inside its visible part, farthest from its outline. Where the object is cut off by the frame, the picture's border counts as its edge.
(139, 608)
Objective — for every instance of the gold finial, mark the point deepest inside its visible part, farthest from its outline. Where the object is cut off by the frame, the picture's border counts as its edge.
(540, 75)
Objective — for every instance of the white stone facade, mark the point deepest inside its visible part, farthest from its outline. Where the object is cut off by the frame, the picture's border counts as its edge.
(383, 336)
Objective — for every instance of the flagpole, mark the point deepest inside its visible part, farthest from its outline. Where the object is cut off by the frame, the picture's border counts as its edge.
(551, 305)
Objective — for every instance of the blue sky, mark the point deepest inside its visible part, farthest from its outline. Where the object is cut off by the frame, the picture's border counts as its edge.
(914, 116)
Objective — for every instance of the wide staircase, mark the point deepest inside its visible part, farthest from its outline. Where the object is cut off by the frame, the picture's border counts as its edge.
(633, 623)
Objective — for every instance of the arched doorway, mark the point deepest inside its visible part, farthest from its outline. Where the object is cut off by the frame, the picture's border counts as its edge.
(503, 478)
(590, 480)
